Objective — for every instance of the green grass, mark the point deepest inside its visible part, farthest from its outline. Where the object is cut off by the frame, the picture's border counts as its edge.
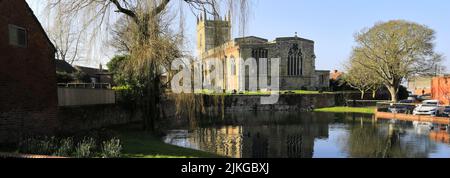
(362, 110)
(139, 144)
(294, 92)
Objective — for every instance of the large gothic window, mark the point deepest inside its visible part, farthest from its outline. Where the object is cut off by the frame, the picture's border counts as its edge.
(295, 61)
(261, 54)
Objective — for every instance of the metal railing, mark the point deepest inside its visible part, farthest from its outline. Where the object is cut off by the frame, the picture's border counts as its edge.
(398, 108)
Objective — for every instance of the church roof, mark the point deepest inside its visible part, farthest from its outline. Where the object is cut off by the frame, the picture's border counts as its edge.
(250, 40)
(293, 38)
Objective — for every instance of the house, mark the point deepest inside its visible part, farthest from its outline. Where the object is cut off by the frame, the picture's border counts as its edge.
(95, 75)
(69, 74)
(440, 89)
(336, 75)
(64, 67)
(420, 85)
(28, 94)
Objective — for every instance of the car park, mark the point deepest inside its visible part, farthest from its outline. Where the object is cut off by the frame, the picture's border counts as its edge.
(429, 107)
(424, 97)
(446, 112)
(403, 106)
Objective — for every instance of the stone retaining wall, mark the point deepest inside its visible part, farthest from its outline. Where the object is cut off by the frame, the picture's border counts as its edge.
(79, 118)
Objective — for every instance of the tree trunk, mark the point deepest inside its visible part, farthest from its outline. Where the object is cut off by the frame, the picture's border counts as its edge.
(362, 94)
(393, 90)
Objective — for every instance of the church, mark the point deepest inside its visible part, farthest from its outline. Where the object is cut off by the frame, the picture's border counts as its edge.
(297, 56)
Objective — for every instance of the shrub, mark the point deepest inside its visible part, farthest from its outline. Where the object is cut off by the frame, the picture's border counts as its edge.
(97, 144)
(65, 148)
(64, 77)
(40, 146)
(111, 148)
(85, 148)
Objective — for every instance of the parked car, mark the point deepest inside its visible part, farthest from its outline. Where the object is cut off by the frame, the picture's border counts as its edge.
(423, 127)
(413, 98)
(424, 97)
(403, 106)
(429, 107)
(446, 112)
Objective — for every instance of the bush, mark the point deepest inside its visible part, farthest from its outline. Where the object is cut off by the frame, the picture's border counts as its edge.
(111, 148)
(85, 148)
(82, 77)
(64, 77)
(67, 147)
(40, 146)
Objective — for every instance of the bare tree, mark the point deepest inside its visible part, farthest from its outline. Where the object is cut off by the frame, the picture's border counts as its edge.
(396, 50)
(149, 47)
(66, 38)
(361, 79)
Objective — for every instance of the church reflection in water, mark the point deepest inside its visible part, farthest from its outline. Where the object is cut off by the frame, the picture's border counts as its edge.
(284, 135)
(271, 136)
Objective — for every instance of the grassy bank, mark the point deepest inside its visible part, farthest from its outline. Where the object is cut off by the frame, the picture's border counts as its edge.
(139, 144)
(290, 92)
(362, 110)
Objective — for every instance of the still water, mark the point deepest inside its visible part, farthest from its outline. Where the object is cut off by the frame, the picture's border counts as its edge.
(313, 135)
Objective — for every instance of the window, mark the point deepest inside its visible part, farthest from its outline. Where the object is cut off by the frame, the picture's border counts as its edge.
(295, 61)
(233, 66)
(322, 79)
(17, 36)
(261, 54)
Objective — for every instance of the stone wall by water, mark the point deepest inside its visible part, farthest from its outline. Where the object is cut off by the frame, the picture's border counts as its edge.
(285, 102)
(74, 119)
(79, 118)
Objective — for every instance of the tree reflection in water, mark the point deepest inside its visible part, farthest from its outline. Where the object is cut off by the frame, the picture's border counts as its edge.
(387, 140)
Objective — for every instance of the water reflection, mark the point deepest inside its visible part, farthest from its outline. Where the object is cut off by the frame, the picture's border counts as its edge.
(308, 135)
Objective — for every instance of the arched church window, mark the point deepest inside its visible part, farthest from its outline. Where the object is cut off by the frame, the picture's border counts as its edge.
(233, 66)
(295, 61)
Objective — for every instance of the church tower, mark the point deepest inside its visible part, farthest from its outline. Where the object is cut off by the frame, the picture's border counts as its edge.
(212, 33)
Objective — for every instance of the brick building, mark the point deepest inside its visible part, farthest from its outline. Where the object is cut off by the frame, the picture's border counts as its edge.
(28, 94)
(440, 89)
(336, 75)
(420, 85)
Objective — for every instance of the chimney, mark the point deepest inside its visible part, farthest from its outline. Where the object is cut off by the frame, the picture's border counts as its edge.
(101, 68)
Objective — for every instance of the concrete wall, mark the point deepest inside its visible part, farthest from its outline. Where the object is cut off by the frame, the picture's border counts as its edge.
(81, 96)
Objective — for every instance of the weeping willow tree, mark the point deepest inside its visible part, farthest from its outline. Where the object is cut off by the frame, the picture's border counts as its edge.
(148, 44)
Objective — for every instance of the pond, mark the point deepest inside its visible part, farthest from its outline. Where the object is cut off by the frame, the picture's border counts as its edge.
(313, 135)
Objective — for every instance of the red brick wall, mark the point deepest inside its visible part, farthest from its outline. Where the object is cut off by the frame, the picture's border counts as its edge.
(441, 89)
(423, 91)
(28, 96)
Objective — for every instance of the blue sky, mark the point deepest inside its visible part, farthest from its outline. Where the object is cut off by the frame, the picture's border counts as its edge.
(333, 23)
